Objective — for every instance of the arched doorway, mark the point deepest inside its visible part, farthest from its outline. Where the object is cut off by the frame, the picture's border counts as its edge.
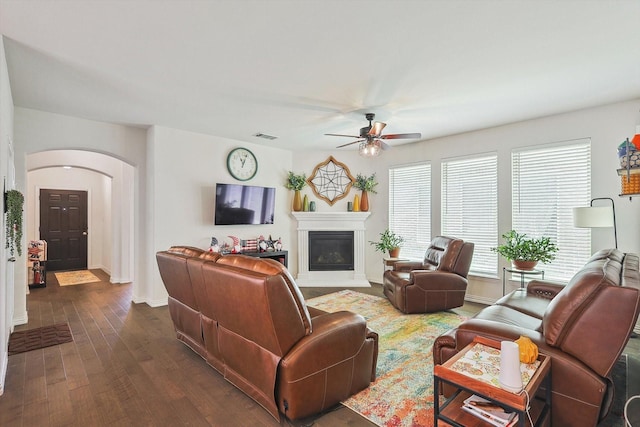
(117, 238)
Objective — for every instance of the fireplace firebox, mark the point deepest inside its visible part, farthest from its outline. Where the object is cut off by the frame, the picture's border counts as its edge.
(331, 251)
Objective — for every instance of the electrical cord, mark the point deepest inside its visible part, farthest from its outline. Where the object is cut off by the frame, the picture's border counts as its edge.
(527, 406)
(626, 405)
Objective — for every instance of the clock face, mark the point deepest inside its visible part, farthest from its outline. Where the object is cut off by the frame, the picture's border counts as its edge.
(242, 164)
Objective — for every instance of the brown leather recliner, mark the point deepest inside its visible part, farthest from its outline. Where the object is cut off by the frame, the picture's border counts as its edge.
(248, 319)
(437, 283)
(583, 326)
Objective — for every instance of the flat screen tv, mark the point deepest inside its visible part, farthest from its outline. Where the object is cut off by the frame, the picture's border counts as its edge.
(244, 204)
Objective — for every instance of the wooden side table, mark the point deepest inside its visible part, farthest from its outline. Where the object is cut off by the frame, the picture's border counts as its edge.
(466, 384)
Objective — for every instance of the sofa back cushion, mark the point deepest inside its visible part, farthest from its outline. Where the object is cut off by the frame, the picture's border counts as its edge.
(592, 317)
(252, 298)
(449, 254)
(175, 275)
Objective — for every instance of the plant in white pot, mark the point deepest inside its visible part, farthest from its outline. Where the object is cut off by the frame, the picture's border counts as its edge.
(525, 252)
(389, 242)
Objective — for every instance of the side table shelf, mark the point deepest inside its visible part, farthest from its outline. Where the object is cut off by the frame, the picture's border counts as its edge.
(451, 410)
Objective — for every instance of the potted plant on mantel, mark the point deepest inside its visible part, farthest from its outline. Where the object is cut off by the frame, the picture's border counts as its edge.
(389, 242)
(525, 252)
(366, 184)
(296, 183)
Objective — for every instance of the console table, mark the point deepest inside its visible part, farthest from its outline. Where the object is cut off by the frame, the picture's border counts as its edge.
(467, 383)
(280, 256)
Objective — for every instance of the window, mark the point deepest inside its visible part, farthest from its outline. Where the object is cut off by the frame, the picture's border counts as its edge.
(547, 183)
(410, 207)
(470, 207)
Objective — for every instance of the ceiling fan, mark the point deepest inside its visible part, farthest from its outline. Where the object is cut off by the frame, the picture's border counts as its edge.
(371, 139)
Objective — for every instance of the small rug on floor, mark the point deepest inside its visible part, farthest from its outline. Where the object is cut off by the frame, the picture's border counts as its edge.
(66, 278)
(34, 339)
(402, 394)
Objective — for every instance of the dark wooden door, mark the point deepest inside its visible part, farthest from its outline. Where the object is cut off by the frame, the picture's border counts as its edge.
(63, 224)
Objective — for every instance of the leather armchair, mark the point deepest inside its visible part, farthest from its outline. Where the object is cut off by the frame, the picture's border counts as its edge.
(439, 282)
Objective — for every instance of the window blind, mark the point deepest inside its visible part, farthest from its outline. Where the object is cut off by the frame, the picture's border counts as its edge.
(410, 207)
(547, 183)
(470, 207)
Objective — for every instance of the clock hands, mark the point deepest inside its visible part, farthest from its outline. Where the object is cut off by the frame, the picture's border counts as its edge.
(243, 158)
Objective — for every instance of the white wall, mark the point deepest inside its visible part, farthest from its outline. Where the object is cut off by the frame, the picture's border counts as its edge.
(98, 188)
(6, 268)
(607, 126)
(184, 169)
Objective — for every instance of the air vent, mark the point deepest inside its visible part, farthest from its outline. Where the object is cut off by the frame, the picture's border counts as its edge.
(265, 136)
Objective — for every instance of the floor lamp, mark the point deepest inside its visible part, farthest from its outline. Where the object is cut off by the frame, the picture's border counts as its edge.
(597, 216)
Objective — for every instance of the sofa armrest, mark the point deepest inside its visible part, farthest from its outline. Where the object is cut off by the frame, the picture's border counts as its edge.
(544, 288)
(327, 366)
(336, 337)
(407, 265)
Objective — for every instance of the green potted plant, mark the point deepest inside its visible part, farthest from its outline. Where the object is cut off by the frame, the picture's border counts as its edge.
(525, 252)
(296, 183)
(389, 242)
(366, 184)
(14, 200)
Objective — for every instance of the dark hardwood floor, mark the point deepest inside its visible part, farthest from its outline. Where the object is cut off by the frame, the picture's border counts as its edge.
(126, 368)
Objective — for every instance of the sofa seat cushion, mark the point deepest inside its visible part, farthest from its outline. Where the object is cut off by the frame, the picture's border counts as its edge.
(509, 316)
(526, 303)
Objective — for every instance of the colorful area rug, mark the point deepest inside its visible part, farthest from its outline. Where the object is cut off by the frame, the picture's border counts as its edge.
(34, 339)
(402, 394)
(79, 277)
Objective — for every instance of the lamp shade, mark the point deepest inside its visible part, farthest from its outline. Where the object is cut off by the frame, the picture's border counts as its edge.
(592, 217)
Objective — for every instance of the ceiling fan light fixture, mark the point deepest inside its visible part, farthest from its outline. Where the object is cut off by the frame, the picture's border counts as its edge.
(370, 148)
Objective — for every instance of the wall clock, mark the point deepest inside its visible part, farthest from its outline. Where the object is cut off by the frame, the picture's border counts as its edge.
(242, 164)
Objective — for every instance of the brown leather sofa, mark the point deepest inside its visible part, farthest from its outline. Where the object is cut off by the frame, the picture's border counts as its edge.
(247, 318)
(437, 283)
(584, 327)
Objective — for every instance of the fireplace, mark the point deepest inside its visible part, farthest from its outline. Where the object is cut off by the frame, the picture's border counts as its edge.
(330, 250)
(332, 270)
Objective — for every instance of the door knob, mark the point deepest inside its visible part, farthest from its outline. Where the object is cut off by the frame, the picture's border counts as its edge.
(84, 233)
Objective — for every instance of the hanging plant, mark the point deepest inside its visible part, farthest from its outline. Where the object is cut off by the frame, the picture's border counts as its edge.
(14, 204)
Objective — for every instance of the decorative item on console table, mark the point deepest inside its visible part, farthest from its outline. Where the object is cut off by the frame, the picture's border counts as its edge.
(296, 183)
(366, 184)
(389, 242)
(526, 252)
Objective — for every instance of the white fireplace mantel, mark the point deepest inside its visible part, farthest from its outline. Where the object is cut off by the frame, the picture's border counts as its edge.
(326, 221)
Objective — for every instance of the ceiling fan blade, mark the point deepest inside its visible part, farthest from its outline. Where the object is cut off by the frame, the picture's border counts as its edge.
(402, 136)
(350, 143)
(376, 129)
(338, 134)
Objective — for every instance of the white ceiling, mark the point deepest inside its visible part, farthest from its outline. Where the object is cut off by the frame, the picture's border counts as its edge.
(300, 69)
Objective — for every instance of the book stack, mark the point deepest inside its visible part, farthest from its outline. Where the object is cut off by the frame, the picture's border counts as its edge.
(490, 412)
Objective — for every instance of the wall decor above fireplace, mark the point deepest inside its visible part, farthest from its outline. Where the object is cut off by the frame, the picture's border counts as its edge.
(331, 180)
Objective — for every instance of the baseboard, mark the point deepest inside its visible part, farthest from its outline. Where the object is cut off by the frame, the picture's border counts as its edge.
(157, 303)
(3, 370)
(21, 320)
(479, 300)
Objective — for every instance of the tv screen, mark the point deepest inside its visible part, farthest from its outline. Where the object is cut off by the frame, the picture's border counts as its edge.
(244, 204)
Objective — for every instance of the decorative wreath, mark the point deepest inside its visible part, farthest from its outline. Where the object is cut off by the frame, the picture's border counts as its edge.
(331, 180)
